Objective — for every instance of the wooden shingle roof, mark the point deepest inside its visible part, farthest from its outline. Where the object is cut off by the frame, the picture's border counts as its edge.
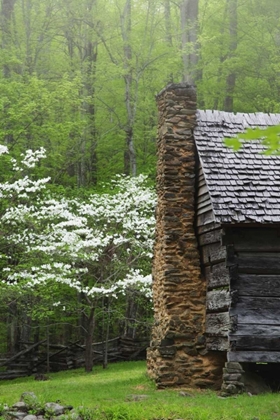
(244, 186)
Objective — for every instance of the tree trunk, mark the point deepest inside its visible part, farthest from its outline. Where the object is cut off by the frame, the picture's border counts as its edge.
(168, 29)
(231, 78)
(12, 328)
(105, 330)
(131, 315)
(168, 24)
(48, 346)
(89, 340)
(6, 17)
(27, 16)
(130, 167)
(82, 45)
(189, 18)
(218, 99)
(88, 140)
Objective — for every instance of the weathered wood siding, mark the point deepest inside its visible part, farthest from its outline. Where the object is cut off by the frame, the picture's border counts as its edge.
(204, 207)
(254, 264)
(213, 261)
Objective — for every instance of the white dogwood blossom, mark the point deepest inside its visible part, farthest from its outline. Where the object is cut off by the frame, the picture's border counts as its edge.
(3, 149)
(30, 158)
(97, 246)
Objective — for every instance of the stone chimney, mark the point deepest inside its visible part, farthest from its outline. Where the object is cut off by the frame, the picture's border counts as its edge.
(177, 354)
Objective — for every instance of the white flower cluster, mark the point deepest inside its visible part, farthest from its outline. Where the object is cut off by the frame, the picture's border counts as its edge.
(3, 149)
(133, 279)
(70, 241)
(30, 158)
(22, 187)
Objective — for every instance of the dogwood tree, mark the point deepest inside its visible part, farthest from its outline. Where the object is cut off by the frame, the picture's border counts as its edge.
(99, 246)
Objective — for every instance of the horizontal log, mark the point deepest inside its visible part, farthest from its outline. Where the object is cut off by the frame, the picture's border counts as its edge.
(217, 275)
(258, 263)
(49, 356)
(217, 324)
(217, 300)
(54, 346)
(256, 330)
(15, 366)
(22, 353)
(256, 316)
(258, 284)
(254, 356)
(213, 253)
(112, 340)
(210, 237)
(255, 343)
(217, 343)
(255, 239)
(12, 375)
(59, 365)
(255, 302)
(208, 228)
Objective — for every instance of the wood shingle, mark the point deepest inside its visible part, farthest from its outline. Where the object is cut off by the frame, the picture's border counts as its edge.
(244, 186)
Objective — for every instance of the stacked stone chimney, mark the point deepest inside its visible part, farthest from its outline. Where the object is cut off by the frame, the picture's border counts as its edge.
(177, 355)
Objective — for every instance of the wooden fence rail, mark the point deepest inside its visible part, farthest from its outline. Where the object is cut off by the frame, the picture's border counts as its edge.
(42, 356)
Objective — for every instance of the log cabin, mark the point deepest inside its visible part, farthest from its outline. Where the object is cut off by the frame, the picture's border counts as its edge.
(216, 268)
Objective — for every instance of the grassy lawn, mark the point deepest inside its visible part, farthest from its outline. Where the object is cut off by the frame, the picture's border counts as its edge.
(110, 395)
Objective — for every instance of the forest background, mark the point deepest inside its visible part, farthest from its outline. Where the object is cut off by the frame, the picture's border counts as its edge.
(79, 79)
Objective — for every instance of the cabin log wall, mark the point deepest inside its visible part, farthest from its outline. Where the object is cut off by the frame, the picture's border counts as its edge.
(254, 263)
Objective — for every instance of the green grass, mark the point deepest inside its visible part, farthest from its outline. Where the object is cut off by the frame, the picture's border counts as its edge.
(106, 395)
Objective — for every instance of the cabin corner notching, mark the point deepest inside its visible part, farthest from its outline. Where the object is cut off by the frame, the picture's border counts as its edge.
(216, 260)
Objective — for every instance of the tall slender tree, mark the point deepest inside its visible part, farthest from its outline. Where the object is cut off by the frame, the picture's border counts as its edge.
(189, 28)
(231, 77)
(7, 8)
(81, 41)
(129, 153)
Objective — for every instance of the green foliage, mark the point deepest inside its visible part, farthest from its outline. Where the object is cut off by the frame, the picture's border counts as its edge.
(68, 84)
(43, 113)
(66, 88)
(254, 62)
(270, 138)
